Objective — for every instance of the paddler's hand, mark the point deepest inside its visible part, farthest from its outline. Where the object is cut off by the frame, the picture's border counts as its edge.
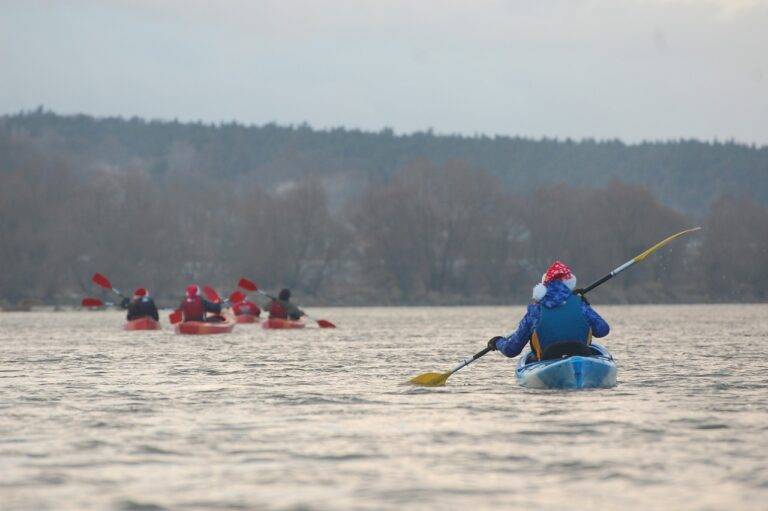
(125, 302)
(492, 342)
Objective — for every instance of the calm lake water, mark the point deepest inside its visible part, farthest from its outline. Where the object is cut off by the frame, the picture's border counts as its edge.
(95, 418)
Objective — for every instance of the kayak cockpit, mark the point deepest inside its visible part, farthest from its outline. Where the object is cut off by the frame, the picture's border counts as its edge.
(592, 350)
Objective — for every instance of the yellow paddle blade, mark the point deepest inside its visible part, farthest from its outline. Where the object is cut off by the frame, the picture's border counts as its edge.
(662, 243)
(430, 379)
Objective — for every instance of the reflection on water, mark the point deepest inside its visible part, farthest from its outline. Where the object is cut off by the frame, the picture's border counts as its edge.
(95, 418)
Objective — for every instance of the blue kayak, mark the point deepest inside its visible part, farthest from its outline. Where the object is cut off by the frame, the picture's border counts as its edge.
(574, 372)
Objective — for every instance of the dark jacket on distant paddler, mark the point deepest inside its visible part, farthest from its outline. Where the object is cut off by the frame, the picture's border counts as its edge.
(142, 307)
(284, 309)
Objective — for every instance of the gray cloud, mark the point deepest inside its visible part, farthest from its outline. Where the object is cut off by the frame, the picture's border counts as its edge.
(629, 69)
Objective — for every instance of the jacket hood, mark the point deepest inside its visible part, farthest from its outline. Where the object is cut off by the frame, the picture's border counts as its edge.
(557, 293)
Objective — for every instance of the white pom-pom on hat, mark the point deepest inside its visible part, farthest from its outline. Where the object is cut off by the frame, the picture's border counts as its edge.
(539, 291)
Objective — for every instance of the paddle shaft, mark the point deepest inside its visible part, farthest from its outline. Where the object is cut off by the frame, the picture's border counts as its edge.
(102, 281)
(118, 293)
(467, 361)
(641, 256)
(607, 277)
(265, 294)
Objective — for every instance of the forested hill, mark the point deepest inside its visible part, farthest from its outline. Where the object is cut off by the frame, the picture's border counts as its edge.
(687, 175)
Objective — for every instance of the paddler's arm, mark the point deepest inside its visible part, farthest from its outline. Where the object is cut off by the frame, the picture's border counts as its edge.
(153, 310)
(512, 344)
(132, 312)
(598, 325)
(211, 307)
(293, 310)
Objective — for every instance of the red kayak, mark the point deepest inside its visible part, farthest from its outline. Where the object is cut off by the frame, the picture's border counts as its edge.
(273, 323)
(203, 328)
(145, 323)
(246, 318)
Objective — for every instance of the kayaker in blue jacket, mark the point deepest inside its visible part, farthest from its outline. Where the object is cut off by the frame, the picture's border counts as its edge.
(557, 323)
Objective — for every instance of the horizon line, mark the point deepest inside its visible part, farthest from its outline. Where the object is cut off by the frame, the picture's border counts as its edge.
(429, 131)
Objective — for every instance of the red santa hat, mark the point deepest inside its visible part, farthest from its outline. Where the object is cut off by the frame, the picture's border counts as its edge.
(140, 292)
(557, 271)
(192, 291)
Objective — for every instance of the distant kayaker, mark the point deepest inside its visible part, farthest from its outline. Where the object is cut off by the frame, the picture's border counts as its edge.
(194, 307)
(557, 323)
(142, 306)
(282, 308)
(245, 307)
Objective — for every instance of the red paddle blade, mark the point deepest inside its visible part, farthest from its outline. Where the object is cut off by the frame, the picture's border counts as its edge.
(211, 294)
(101, 280)
(175, 317)
(324, 323)
(236, 297)
(248, 285)
(92, 302)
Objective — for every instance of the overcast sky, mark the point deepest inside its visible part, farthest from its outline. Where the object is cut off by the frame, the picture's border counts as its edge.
(632, 69)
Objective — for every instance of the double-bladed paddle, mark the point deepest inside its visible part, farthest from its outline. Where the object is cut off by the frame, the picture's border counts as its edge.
(439, 379)
(249, 285)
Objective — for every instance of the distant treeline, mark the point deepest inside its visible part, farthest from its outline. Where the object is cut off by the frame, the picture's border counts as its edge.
(431, 232)
(686, 175)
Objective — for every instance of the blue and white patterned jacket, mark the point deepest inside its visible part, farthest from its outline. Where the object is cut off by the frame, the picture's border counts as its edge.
(557, 293)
